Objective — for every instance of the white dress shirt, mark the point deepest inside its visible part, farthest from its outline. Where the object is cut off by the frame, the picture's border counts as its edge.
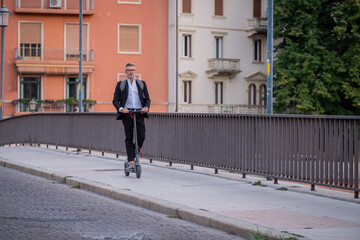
(133, 99)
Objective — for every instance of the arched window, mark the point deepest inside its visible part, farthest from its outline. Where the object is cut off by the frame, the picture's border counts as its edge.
(263, 95)
(252, 94)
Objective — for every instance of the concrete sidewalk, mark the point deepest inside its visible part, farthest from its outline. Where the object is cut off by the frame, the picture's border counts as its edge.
(224, 201)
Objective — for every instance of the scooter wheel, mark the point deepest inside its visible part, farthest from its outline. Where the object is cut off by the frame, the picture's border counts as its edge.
(126, 168)
(138, 171)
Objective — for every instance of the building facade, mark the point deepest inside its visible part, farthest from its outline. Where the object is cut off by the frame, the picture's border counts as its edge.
(217, 53)
(42, 53)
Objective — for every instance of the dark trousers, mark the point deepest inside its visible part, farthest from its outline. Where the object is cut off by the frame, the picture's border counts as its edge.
(128, 123)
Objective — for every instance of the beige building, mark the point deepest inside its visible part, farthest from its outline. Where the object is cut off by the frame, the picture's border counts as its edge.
(217, 56)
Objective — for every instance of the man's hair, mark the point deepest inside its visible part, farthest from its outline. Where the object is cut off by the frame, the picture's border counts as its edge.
(129, 65)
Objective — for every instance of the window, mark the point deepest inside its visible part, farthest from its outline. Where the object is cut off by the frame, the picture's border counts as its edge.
(72, 91)
(263, 95)
(219, 8)
(72, 41)
(187, 92)
(218, 93)
(257, 8)
(186, 6)
(30, 40)
(129, 38)
(30, 87)
(186, 46)
(257, 50)
(72, 88)
(252, 94)
(218, 47)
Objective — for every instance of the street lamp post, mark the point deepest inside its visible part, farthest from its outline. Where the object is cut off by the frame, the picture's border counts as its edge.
(4, 19)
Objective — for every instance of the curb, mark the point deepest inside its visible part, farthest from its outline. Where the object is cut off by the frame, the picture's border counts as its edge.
(208, 219)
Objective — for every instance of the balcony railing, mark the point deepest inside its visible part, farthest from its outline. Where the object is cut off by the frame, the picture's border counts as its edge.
(223, 66)
(52, 54)
(87, 106)
(243, 109)
(60, 6)
(256, 25)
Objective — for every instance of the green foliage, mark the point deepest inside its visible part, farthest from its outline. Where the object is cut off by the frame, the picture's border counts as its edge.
(258, 183)
(70, 101)
(27, 100)
(317, 66)
(24, 100)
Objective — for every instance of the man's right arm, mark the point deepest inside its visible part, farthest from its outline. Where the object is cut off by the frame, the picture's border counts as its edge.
(117, 97)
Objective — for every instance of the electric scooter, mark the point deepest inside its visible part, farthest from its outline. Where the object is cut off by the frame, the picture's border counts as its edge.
(137, 168)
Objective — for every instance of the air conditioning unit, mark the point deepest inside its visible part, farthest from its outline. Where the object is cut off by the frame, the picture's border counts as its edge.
(55, 3)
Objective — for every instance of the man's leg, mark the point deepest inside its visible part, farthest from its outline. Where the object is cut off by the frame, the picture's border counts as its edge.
(129, 135)
(140, 128)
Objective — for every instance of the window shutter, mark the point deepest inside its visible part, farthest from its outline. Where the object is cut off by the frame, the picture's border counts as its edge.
(219, 7)
(72, 39)
(186, 6)
(72, 36)
(257, 8)
(129, 39)
(30, 33)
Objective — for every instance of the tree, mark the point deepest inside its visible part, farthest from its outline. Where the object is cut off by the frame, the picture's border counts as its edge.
(317, 65)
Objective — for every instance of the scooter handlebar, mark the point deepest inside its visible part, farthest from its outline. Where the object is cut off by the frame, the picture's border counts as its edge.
(134, 109)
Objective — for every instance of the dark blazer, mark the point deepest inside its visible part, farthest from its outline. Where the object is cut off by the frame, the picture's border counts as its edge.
(120, 98)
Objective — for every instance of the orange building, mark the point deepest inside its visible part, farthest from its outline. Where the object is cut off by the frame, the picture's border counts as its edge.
(42, 52)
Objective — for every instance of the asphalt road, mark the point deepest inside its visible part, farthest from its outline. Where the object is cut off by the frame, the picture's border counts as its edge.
(35, 208)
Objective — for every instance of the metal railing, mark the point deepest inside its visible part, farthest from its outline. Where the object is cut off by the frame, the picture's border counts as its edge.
(54, 54)
(59, 4)
(318, 150)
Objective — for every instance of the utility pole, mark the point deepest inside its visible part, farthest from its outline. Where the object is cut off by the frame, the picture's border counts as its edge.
(269, 100)
(269, 63)
(80, 53)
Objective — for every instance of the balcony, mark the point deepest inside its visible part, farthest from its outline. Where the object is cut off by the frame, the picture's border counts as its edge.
(33, 59)
(70, 7)
(223, 67)
(256, 26)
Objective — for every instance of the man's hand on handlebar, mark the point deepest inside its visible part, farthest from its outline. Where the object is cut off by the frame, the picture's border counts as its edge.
(125, 110)
(144, 110)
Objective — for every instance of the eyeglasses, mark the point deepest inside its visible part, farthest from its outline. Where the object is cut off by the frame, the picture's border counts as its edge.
(130, 70)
